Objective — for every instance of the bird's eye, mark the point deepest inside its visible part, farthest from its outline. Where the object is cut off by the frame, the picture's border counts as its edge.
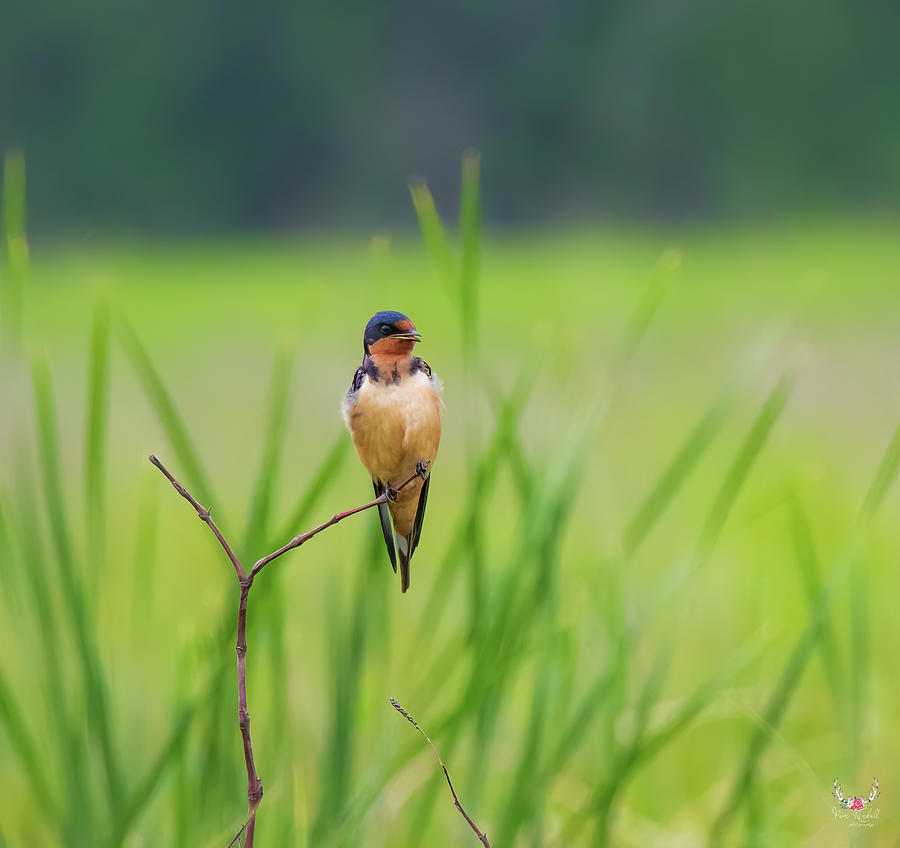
(385, 329)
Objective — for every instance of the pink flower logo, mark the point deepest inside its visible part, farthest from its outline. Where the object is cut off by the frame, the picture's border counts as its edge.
(851, 802)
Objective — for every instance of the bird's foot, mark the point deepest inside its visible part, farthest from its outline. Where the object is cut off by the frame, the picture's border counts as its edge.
(390, 493)
(422, 467)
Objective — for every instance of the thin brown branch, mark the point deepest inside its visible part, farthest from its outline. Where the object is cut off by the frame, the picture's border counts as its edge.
(254, 784)
(305, 537)
(481, 836)
(204, 516)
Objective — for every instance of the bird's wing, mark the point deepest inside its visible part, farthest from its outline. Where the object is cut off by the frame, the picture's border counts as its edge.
(419, 364)
(356, 385)
(420, 515)
(351, 397)
(387, 529)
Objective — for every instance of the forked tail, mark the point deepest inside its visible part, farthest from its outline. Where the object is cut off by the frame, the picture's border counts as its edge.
(404, 553)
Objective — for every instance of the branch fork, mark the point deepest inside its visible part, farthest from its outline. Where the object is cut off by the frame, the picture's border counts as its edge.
(245, 581)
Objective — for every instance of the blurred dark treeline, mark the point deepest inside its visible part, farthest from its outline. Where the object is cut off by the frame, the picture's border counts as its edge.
(206, 116)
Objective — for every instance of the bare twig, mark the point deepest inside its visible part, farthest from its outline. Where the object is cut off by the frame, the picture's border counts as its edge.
(481, 836)
(305, 537)
(254, 784)
(204, 516)
(238, 835)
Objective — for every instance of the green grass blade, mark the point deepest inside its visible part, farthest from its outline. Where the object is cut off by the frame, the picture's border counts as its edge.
(646, 745)
(347, 664)
(626, 757)
(675, 475)
(95, 440)
(698, 441)
(143, 583)
(525, 796)
(700, 699)
(796, 663)
(260, 503)
(470, 249)
(508, 409)
(742, 464)
(324, 477)
(511, 613)
(808, 566)
(859, 668)
(646, 308)
(148, 784)
(15, 243)
(65, 733)
(98, 716)
(20, 739)
(884, 479)
(9, 576)
(435, 237)
(169, 417)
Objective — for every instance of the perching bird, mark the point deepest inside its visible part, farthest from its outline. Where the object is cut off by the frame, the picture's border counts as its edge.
(393, 412)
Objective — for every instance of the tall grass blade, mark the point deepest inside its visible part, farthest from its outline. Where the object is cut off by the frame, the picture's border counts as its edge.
(148, 784)
(435, 237)
(501, 646)
(742, 464)
(676, 473)
(260, 503)
(884, 480)
(525, 797)
(91, 672)
(66, 733)
(348, 669)
(626, 757)
(790, 676)
(24, 747)
(9, 576)
(698, 441)
(470, 249)
(808, 566)
(646, 744)
(700, 699)
(169, 417)
(15, 243)
(300, 811)
(508, 413)
(143, 583)
(646, 308)
(320, 482)
(95, 440)
(859, 668)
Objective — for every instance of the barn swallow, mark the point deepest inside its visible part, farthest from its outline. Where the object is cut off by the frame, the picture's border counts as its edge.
(393, 412)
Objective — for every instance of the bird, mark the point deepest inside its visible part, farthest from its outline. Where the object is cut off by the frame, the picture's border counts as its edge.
(393, 412)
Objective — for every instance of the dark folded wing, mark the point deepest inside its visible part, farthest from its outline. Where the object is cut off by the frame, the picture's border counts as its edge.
(357, 380)
(387, 529)
(419, 364)
(420, 515)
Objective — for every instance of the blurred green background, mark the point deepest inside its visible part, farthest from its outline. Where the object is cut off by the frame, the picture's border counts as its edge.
(653, 603)
(144, 116)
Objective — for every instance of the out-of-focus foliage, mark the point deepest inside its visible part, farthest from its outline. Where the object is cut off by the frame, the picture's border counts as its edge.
(208, 114)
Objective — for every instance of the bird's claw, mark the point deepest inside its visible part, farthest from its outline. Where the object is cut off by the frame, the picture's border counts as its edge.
(422, 467)
(391, 494)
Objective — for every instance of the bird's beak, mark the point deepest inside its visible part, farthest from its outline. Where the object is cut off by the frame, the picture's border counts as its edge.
(408, 337)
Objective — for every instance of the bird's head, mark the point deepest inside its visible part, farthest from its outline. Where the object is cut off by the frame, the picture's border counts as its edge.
(389, 334)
